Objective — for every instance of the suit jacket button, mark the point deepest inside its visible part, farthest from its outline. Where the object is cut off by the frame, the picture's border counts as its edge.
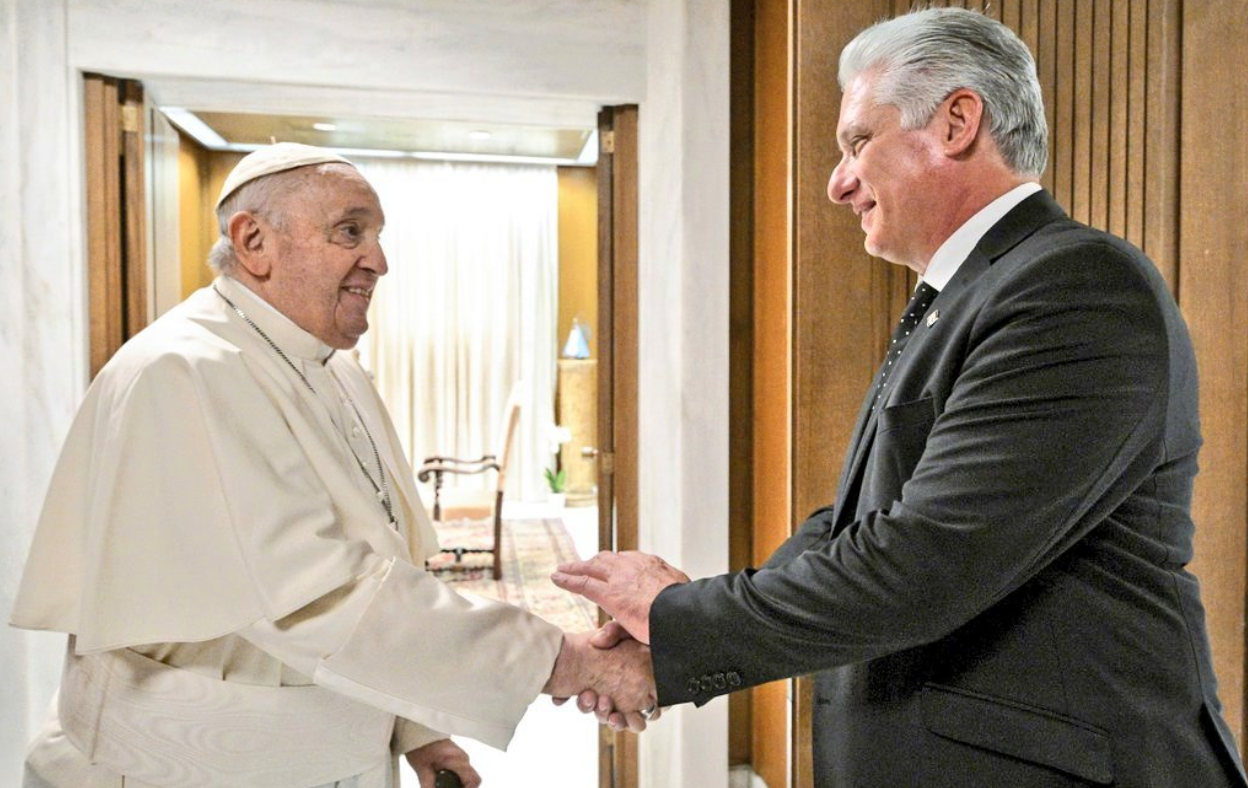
(734, 679)
(721, 681)
(708, 683)
(694, 686)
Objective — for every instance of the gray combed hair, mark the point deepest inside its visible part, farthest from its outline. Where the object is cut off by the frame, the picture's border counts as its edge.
(263, 197)
(924, 56)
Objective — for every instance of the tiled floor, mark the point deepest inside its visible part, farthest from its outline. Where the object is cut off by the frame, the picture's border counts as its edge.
(553, 747)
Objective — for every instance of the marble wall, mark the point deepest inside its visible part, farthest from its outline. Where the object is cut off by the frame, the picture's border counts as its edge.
(683, 408)
(42, 328)
(537, 61)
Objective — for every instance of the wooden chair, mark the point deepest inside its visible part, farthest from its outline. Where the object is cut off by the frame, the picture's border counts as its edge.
(454, 504)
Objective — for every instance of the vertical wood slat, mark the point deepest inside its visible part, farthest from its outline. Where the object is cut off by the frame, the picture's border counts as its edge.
(1119, 128)
(1137, 65)
(1081, 195)
(1028, 24)
(1011, 13)
(1161, 152)
(772, 480)
(617, 383)
(606, 392)
(625, 342)
(1061, 136)
(134, 209)
(103, 196)
(1098, 180)
(624, 325)
(1046, 71)
(741, 332)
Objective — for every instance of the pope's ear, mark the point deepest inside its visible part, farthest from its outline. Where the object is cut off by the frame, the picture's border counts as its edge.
(253, 241)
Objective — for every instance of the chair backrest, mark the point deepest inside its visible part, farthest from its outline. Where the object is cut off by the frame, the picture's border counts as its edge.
(507, 432)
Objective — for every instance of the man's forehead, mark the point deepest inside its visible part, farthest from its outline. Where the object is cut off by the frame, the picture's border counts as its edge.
(860, 113)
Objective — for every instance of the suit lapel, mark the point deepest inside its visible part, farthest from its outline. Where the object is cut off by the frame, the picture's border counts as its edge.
(1024, 219)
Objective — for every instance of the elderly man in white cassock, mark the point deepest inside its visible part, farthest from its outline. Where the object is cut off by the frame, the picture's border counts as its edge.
(234, 544)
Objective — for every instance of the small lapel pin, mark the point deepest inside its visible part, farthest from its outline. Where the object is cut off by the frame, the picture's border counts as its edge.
(933, 317)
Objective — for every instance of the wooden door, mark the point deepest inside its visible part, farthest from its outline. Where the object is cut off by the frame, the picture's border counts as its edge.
(117, 267)
(617, 377)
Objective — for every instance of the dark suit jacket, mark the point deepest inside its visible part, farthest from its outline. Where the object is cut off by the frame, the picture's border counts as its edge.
(998, 597)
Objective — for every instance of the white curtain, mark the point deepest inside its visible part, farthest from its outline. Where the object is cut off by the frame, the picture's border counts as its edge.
(468, 309)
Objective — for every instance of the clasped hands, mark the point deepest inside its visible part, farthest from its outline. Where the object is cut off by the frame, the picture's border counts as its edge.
(610, 670)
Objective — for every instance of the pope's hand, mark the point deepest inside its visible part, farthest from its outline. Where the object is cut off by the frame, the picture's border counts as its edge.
(442, 754)
(623, 584)
(622, 673)
(610, 635)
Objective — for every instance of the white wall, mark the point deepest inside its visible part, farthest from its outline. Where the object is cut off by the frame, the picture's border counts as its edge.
(683, 393)
(41, 323)
(550, 61)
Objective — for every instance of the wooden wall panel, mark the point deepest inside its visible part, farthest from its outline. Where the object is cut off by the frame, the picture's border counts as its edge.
(741, 333)
(1212, 277)
(838, 290)
(117, 264)
(772, 479)
(1121, 80)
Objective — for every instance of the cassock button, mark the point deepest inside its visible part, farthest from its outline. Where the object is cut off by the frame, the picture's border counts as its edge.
(721, 681)
(708, 683)
(694, 687)
(734, 678)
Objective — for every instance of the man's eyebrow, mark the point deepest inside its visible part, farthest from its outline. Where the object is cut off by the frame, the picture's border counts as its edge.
(849, 132)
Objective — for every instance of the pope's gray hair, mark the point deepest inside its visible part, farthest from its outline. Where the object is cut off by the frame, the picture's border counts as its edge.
(924, 56)
(266, 197)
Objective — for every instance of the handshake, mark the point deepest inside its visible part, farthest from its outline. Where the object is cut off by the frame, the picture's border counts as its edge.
(610, 670)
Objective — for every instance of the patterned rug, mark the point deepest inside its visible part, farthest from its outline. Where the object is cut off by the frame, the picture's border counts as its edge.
(531, 551)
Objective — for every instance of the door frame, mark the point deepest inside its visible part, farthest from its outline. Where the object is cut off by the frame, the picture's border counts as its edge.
(617, 378)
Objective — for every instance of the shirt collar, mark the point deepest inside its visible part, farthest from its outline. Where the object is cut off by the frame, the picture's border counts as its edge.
(957, 247)
(292, 339)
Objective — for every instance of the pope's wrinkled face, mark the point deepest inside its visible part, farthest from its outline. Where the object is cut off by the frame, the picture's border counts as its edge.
(329, 256)
(888, 175)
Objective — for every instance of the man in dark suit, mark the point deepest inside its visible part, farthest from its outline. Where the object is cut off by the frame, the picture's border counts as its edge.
(998, 595)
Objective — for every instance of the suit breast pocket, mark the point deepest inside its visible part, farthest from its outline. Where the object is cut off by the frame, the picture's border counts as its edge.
(901, 435)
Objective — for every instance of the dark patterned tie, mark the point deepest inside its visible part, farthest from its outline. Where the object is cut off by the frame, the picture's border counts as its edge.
(924, 294)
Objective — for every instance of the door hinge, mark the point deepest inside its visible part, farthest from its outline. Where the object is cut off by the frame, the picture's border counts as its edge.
(129, 118)
(608, 142)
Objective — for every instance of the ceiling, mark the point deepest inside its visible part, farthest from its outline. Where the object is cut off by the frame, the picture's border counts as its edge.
(394, 137)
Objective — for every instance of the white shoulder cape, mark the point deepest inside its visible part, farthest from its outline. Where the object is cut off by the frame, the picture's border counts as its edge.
(201, 489)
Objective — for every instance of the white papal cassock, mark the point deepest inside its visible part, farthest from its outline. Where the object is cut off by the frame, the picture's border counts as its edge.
(242, 611)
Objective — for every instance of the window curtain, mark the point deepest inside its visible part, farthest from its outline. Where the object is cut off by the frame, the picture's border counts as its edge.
(467, 311)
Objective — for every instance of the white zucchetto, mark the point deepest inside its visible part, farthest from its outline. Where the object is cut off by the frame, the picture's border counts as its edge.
(278, 157)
